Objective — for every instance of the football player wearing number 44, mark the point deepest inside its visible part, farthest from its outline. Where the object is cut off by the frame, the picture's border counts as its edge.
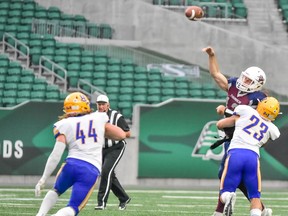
(83, 133)
(253, 128)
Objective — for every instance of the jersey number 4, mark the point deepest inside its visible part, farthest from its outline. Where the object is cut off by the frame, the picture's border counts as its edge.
(256, 123)
(81, 135)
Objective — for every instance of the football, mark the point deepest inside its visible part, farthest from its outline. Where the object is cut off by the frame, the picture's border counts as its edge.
(194, 13)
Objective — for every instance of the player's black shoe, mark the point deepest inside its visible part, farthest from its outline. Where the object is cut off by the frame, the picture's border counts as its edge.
(122, 205)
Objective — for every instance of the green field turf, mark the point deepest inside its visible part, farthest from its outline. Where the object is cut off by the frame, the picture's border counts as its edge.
(144, 202)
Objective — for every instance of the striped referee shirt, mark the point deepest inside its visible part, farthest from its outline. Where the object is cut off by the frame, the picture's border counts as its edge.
(117, 119)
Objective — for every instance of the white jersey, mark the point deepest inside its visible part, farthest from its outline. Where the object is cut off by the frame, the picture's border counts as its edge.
(251, 130)
(84, 136)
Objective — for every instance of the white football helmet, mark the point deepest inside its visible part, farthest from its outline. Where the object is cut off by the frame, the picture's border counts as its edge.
(251, 80)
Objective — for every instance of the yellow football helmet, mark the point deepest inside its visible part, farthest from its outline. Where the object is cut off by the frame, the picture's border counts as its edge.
(269, 108)
(76, 103)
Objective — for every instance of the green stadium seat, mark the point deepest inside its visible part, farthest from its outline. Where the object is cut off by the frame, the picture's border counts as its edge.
(100, 68)
(154, 99)
(126, 90)
(184, 93)
(127, 112)
(3, 70)
(127, 61)
(114, 68)
(26, 20)
(24, 86)
(113, 82)
(155, 84)
(28, 6)
(38, 96)
(208, 86)
(13, 79)
(39, 87)
(9, 101)
(10, 93)
(73, 59)
(27, 79)
(113, 75)
(125, 104)
(114, 61)
(127, 69)
(168, 84)
(100, 83)
(141, 83)
(127, 83)
(154, 91)
(181, 85)
(53, 96)
(100, 74)
(5, 5)
(208, 94)
(125, 97)
(93, 30)
(140, 91)
(195, 93)
(40, 80)
(41, 15)
(195, 85)
(167, 91)
(155, 77)
(140, 69)
(10, 86)
(100, 60)
(139, 99)
(106, 31)
(240, 10)
(221, 94)
(2, 78)
(127, 76)
(112, 89)
(87, 60)
(24, 94)
(140, 76)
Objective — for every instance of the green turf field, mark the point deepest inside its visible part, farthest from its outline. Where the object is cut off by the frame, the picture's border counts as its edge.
(144, 202)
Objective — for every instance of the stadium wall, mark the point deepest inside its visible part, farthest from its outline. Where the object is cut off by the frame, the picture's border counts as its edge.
(172, 34)
(157, 155)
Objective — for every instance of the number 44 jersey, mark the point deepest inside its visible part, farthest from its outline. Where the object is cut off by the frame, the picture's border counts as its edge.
(251, 130)
(84, 136)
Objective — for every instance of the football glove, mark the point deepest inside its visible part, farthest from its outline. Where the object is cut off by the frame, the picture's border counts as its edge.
(40, 185)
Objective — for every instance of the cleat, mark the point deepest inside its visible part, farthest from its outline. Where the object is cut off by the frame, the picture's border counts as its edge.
(229, 205)
(267, 212)
(122, 205)
(100, 207)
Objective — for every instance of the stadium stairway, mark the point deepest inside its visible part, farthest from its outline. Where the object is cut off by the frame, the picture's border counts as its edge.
(265, 22)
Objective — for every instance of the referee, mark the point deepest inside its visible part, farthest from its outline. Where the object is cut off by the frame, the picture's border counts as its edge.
(112, 153)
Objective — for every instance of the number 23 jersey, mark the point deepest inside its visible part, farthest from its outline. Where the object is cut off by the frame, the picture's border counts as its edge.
(84, 136)
(251, 130)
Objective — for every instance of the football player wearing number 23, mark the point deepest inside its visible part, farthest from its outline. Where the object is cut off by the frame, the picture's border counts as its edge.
(253, 128)
(83, 132)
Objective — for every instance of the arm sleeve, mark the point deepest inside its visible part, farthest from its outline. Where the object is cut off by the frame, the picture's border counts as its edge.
(123, 124)
(53, 160)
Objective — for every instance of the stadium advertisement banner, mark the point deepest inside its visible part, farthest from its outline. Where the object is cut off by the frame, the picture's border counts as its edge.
(27, 137)
(175, 136)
